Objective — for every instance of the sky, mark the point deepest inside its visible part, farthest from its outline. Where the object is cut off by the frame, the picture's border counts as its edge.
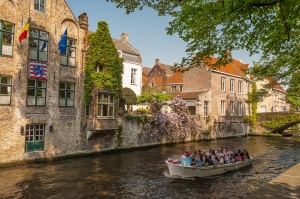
(146, 31)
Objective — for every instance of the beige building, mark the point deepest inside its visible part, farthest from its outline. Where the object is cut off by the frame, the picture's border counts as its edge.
(41, 90)
(274, 100)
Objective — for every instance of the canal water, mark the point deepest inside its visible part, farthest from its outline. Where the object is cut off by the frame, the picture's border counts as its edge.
(143, 174)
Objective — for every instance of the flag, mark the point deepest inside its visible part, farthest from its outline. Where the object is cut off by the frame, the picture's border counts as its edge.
(38, 70)
(62, 44)
(24, 32)
(43, 46)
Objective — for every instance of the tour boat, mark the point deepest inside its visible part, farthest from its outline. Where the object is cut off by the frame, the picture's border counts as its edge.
(204, 171)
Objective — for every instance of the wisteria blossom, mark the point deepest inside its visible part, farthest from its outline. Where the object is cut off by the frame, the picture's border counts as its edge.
(176, 124)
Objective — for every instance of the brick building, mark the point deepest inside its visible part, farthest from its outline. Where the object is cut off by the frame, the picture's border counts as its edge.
(222, 91)
(161, 78)
(41, 90)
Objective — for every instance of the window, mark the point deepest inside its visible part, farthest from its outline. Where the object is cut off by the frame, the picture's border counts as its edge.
(240, 87)
(133, 76)
(240, 108)
(36, 92)
(231, 85)
(39, 5)
(205, 108)
(66, 94)
(5, 90)
(38, 45)
(105, 105)
(180, 88)
(173, 89)
(231, 108)
(6, 38)
(68, 59)
(34, 139)
(223, 84)
(222, 107)
(87, 110)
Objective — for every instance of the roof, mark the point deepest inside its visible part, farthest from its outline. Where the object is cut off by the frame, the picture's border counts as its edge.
(129, 53)
(190, 95)
(234, 67)
(146, 71)
(166, 67)
(275, 84)
(177, 77)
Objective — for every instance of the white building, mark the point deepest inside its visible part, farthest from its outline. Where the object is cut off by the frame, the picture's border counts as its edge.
(132, 76)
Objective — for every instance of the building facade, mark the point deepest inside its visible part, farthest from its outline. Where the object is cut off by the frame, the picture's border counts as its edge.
(274, 99)
(132, 62)
(41, 88)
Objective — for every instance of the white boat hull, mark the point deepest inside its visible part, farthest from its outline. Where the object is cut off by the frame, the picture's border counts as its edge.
(204, 171)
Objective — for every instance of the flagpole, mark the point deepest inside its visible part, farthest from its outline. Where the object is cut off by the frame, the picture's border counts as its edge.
(28, 35)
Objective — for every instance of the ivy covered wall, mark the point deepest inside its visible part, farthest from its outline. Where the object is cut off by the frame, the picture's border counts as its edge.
(103, 68)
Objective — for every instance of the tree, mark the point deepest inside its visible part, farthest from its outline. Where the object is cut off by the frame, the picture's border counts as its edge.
(103, 68)
(147, 97)
(293, 93)
(217, 27)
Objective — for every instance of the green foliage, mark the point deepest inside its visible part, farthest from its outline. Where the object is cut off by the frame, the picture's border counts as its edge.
(293, 93)
(139, 118)
(102, 53)
(147, 97)
(266, 27)
(142, 111)
(252, 102)
(281, 120)
(129, 96)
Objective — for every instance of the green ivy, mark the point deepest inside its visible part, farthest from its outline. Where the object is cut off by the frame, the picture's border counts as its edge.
(102, 53)
(252, 102)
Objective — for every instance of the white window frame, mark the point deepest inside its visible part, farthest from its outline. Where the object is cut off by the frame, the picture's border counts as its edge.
(133, 76)
(231, 85)
(223, 84)
(223, 107)
(240, 108)
(240, 87)
(205, 108)
(39, 5)
(231, 108)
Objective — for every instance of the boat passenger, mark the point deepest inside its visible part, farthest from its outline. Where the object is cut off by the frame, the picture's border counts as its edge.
(239, 158)
(186, 160)
(221, 158)
(227, 159)
(232, 160)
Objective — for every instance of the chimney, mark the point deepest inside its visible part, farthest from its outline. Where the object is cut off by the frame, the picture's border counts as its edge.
(124, 37)
(83, 20)
(156, 61)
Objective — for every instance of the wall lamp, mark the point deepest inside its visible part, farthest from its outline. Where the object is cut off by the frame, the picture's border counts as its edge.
(22, 130)
(51, 128)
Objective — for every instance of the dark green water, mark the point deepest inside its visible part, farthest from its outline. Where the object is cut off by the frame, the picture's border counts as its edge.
(143, 174)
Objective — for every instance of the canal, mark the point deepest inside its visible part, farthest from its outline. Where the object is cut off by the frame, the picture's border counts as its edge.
(143, 174)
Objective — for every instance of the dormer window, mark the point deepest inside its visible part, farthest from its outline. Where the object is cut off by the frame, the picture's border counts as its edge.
(39, 5)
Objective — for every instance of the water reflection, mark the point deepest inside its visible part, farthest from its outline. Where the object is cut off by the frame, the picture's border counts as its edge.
(143, 174)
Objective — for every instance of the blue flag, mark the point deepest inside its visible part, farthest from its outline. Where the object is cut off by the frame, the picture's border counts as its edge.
(62, 44)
